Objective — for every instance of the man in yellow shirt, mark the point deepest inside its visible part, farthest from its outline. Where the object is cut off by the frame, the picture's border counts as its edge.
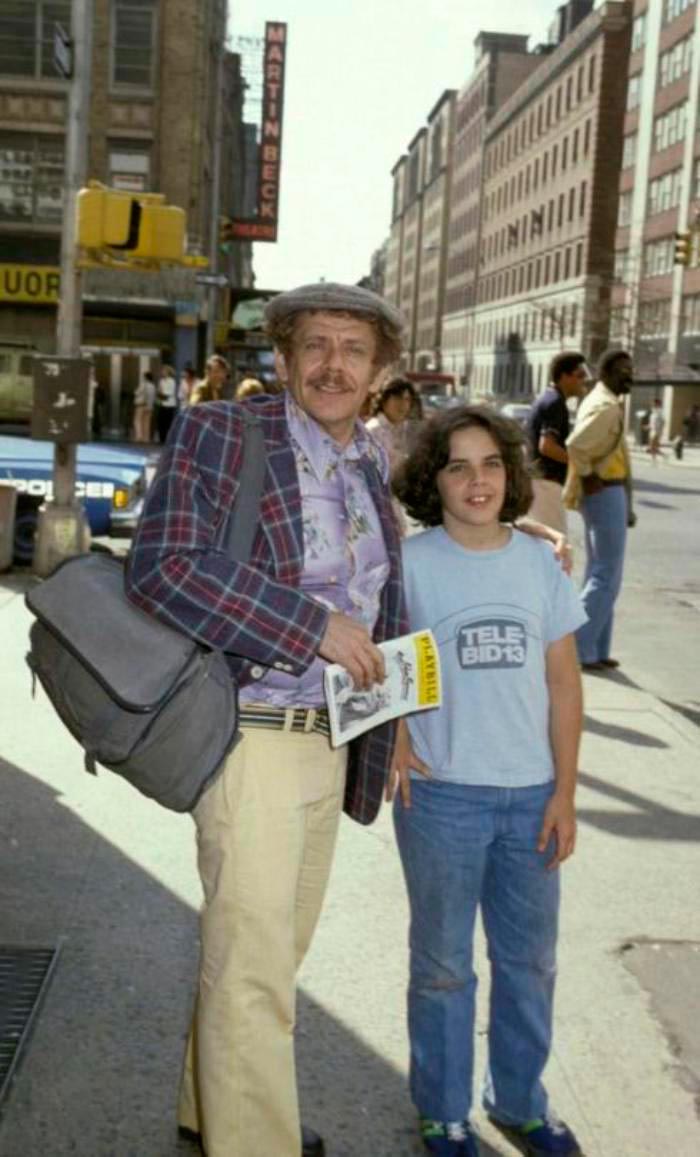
(599, 485)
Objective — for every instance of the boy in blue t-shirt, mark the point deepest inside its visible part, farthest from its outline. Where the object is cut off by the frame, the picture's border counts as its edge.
(491, 817)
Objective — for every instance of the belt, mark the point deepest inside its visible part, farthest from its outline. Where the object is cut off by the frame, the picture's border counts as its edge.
(304, 719)
(613, 481)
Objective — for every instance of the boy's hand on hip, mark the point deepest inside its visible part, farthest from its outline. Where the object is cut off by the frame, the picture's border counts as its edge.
(403, 760)
(347, 642)
(560, 822)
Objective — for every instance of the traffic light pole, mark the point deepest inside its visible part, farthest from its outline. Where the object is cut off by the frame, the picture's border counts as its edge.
(213, 292)
(62, 529)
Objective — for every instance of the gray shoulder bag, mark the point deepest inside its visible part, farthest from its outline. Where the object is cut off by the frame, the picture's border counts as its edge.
(141, 698)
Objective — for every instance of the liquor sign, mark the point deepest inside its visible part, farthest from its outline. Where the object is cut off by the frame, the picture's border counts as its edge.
(264, 226)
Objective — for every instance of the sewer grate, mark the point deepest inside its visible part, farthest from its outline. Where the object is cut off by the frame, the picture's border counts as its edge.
(25, 973)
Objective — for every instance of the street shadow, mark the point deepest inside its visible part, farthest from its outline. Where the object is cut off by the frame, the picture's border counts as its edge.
(622, 734)
(100, 1074)
(649, 820)
(644, 485)
(655, 505)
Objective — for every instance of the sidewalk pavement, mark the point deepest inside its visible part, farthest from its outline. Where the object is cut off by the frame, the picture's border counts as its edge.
(91, 865)
(690, 459)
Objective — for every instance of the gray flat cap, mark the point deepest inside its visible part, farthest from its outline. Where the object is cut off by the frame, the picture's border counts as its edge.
(330, 296)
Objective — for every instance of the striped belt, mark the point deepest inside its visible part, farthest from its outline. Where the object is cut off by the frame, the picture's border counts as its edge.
(613, 481)
(304, 719)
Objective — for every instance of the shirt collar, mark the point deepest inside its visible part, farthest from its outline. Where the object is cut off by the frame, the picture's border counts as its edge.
(319, 449)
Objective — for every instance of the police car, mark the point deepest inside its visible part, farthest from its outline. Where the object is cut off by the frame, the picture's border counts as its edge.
(110, 482)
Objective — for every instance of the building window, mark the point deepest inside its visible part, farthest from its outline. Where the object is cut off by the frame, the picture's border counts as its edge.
(676, 62)
(658, 257)
(665, 192)
(129, 167)
(620, 268)
(555, 151)
(560, 211)
(572, 203)
(564, 154)
(691, 314)
(557, 260)
(674, 8)
(579, 259)
(133, 44)
(582, 199)
(545, 166)
(655, 318)
(639, 31)
(629, 150)
(591, 74)
(569, 92)
(586, 137)
(574, 147)
(634, 91)
(624, 209)
(557, 106)
(573, 319)
(31, 178)
(670, 127)
(26, 36)
(567, 262)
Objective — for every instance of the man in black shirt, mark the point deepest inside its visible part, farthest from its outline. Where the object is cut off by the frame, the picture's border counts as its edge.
(548, 429)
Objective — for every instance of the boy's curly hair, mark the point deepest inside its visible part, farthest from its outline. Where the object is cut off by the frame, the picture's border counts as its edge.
(415, 482)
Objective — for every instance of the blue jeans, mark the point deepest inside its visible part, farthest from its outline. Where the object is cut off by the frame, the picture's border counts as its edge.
(462, 847)
(605, 519)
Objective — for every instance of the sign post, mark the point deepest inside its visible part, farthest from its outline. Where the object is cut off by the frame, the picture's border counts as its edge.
(62, 529)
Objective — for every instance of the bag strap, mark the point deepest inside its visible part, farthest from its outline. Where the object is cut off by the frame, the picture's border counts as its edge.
(245, 515)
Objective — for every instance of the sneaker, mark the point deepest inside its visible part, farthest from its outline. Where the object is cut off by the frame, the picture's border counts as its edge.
(448, 1138)
(542, 1137)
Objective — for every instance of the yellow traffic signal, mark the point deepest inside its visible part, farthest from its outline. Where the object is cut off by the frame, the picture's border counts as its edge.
(682, 248)
(104, 217)
(160, 231)
(138, 225)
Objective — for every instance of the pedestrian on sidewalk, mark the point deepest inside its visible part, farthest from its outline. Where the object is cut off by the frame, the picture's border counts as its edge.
(166, 399)
(492, 816)
(144, 402)
(656, 429)
(599, 485)
(212, 385)
(323, 585)
(548, 429)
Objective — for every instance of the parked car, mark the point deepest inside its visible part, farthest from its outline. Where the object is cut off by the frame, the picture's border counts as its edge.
(111, 483)
(16, 380)
(518, 411)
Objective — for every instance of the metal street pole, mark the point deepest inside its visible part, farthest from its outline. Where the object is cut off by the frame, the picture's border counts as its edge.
(62, 529)
(213, 294)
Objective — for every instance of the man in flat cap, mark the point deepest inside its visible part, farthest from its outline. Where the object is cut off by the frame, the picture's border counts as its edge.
(323, 585)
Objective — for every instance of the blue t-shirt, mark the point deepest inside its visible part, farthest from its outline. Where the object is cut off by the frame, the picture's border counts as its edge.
(493, 614)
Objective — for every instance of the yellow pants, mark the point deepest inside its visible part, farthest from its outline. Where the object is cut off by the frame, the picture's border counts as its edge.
(266, 832)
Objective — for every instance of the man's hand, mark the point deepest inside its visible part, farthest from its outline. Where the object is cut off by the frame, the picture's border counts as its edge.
(348, 643)
(631, 519)
(403, 759)
(563, 552)
(560, 822)
(592, 484)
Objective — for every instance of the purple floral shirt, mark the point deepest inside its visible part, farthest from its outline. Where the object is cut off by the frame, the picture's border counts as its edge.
(345, 559)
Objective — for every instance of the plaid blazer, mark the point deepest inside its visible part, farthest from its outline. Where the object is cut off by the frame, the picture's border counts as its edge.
(255, 612)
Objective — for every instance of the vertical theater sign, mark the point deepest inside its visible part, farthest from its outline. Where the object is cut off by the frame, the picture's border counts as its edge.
(263, 227)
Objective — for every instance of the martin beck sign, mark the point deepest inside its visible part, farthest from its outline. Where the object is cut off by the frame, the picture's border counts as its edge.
(263, 227)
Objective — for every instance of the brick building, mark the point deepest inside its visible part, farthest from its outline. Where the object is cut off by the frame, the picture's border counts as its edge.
(656, 304)
(151, 128)
(431, 258)
(502, 62)
(552, 156)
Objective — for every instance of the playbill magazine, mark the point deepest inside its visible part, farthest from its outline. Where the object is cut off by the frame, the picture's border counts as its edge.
(412, 684)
